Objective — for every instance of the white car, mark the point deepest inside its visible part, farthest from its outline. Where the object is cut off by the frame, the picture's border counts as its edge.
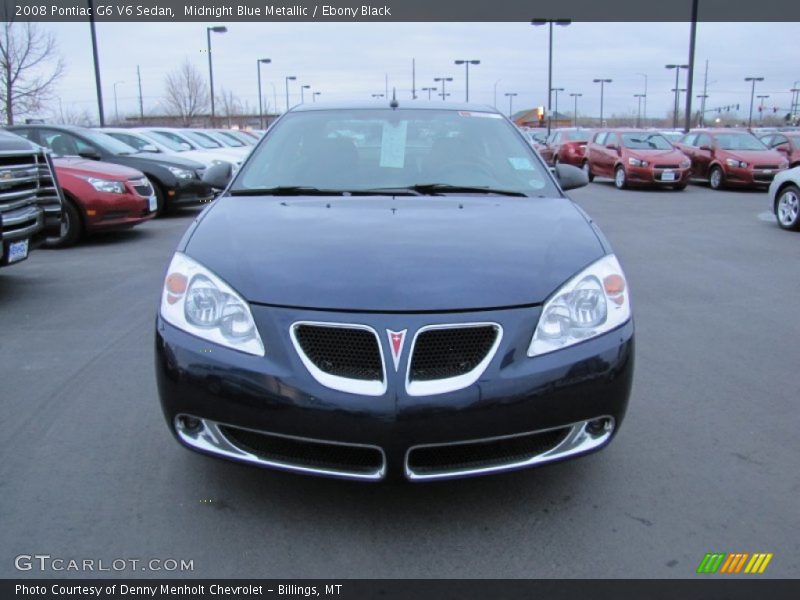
(162, 145)
(212, 137)
(195, 142)
(784, 196)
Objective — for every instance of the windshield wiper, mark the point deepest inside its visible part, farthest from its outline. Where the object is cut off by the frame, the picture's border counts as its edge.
(287, 190)
(446, 188)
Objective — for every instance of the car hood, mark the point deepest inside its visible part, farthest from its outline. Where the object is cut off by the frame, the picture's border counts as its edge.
(658, 155)
(166, 160)
(394, 254)
(95, 168)
(758, 157)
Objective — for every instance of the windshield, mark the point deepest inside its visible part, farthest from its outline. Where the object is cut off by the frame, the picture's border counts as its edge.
(229, 139)
(139, 143)
(108, 143)
(739, 141)
(202, 140)
(374, 149)
(576, 136)
(645, 141)
(167, 141)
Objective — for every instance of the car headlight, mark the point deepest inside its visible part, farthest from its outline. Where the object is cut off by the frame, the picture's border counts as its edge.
(593, 302)
(731, 162)
(106, 185)
(181, 173)
(784, 165)
(685, 164)
(198, 302)
(635, 162)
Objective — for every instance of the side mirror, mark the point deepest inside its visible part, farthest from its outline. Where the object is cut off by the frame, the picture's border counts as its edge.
(150, 148)
(218, 176)
(185, 146)
(612, 147)
(90, 154)
(570, 177)
(706, 148)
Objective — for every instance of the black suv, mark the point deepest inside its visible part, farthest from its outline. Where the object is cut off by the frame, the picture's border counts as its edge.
(176, 180)
(30, 199)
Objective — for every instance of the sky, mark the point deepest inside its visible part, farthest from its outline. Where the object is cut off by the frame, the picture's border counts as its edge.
(347, 61)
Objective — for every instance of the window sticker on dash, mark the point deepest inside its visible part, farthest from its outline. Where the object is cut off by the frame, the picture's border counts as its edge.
(521, 163)
(393, 145)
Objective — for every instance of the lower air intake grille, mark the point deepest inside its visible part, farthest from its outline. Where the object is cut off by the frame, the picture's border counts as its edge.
(348, 352)
(483, 454)
(310, 454)
(449, 352)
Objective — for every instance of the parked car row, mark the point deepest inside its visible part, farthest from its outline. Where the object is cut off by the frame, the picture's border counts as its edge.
(116, 178)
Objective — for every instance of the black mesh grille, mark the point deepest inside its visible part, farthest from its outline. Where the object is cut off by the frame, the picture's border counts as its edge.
(666, 167)
(443, 353)
(484, 454)
(342, 351)
(306, 453)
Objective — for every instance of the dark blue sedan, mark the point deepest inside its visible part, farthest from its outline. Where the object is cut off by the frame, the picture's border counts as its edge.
(398, 290)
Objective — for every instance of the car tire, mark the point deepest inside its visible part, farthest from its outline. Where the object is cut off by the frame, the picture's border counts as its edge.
(161, 201)
(71, 227)
(620, 178)
(588, 170)
(787, 208)
(716, 178)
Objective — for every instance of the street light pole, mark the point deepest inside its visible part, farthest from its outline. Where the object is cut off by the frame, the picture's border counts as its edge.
(602, 83)
(443, 80)
(429, 90)
(302, 96)
(575, 110)
(116, 108)
(209, 30)
(549, 22)
(677, 76)
(510, 103)
(639, 109)
(752, 80)
(314, 96)
(762, 97)
(288, 78)
(466, 64)
(701, 121)
(260, 103)
(556, 90)
(644, 103)
(96, 57)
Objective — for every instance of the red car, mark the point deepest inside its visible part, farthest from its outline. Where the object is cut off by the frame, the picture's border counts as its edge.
(787, 143)
(636, 158)
(100, 196)
(730, 157)
(566, 146)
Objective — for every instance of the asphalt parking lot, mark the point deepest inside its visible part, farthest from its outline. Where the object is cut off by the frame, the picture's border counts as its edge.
(707, 459)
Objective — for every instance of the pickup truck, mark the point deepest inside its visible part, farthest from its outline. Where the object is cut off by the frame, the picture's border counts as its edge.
(30, 198)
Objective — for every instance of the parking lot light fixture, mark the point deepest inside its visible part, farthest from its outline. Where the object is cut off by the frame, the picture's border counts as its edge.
(602, 83)
(429, 90)
(376, 96)
(761, 97)
(752, 80)
(314, 96)
(575, 97)
(677, 86)
(549, 22)
(288, 79)
(510, 96)
(259, 62)
(639, 109)
(644, 99)
(302, 95)
(466, 64)
(443, 80)
(209, 31)
(555, 109)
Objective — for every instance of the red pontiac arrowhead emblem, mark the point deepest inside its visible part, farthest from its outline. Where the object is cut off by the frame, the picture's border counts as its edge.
(396, 340)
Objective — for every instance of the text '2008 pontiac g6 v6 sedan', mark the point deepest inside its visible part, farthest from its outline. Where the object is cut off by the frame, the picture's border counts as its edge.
(392, 291)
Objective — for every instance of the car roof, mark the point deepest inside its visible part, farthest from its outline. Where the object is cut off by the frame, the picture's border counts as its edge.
(403, 104)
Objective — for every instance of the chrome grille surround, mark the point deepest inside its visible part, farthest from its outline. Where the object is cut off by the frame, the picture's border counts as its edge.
(335, 382)
(450, 384)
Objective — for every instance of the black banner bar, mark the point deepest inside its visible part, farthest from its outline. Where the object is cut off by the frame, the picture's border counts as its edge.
(400, 10)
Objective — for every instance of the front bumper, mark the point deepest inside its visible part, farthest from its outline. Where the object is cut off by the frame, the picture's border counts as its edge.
(105, 211)
(190, 191)
(653, 176)
(550, 398)
(749, 177)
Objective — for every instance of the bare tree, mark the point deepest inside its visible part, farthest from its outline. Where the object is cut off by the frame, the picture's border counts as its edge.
(230, 104)
(29, 68)
(186, 93)
(73, 116)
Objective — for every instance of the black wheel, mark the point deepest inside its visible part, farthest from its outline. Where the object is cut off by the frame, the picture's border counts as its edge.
(71, 227)
(716, 178)
(161, 201)
(787, 208)
(620, 178)
(588, 170)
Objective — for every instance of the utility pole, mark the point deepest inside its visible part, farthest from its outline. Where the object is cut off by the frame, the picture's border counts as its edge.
(690, 74)
(96, 65)
(413, 79)
(704, 97)
(141, 102)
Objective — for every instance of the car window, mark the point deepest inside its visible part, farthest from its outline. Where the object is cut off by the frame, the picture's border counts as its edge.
(739, 141)
(766, 139)
(576, 136)
(600, 138)
(645, 141)
(63, 143)
(133, 141)
(777, 140)
(689, 139)
(26, 133)
(704, 140)
(611, 138)
(384, 148)
(170, 140)
(231, 139)
(202, 140)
